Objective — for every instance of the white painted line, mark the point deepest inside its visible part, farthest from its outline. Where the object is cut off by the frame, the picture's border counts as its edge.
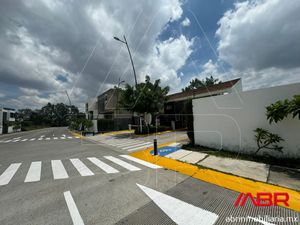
(70, 137)
(122, 163)
(47, 138)
(7, 141)
(24, 140)
(63, 135)
(137, 148)
(77, 137)
(81, 168)
(144, 163)
(34, 172)
(74, 213)
(16, 140)
(62, 138)
(55, 138)
(40, 139)
(180, 212)
(127, 144)
(42, 136)
(8, 174)
(32, 139)
(138, 145)
(107, 168)
(58, 170)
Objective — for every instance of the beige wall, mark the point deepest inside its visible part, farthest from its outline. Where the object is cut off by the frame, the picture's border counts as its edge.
(228, 121)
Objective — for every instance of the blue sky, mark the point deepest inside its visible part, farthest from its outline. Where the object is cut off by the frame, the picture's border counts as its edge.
(48, 47)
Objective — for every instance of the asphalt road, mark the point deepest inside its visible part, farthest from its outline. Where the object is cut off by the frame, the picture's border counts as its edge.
(50, 177)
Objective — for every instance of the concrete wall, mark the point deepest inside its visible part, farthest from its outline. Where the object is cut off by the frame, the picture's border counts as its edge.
(228, 121)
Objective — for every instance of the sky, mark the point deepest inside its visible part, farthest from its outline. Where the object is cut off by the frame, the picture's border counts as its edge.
(49, 47)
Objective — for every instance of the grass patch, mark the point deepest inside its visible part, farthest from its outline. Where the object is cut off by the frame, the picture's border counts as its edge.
(285, 162)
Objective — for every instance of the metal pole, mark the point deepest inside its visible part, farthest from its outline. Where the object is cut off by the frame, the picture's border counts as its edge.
(155, 146)
(131, 61)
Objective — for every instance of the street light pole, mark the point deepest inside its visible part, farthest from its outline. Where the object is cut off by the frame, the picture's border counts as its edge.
(125, 42)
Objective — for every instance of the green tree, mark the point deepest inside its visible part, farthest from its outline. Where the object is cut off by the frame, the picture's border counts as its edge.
(147, 97)
(196, 83)
(281, 109)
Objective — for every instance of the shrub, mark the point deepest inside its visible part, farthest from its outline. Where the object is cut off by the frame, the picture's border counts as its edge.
(267, 140)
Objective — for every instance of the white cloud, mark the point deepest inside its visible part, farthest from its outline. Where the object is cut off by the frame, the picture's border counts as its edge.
(261, 34)
(44, 39)
(260, 41)
(186, 22)
(167, 58)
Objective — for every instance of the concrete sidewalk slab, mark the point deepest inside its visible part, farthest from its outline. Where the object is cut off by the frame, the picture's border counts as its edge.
(284, 177)
(178, 154)
(193, 157)
(243, 168)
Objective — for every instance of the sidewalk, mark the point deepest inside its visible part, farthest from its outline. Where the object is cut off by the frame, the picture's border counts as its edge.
(280, 176)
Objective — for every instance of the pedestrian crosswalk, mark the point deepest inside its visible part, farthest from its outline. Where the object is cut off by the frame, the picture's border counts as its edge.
(128, 144)
(84, 167)
(42, 138)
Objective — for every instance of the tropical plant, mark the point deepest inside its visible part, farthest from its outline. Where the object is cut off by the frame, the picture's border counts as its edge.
(281, 109)
(147, 97)
(196, 83)
(267, 140)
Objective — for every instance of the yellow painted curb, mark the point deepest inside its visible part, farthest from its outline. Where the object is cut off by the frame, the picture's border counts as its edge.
(221, 179)
(158, 133)
(117, 132)
(76, 134)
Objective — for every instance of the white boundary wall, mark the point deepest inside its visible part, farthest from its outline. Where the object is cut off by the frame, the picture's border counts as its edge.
(227, 121)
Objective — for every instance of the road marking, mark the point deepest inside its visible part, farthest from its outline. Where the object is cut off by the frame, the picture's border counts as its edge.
(8, 174)
(40, 139)
(138, 145)
(107, 168)
(24, 140)
(42, 136)
(34, 172)
(47, 138)
(62, 138)
(122, 163)
(81, 168)
(77, 137)
(180, 212)
(55, 138)
(32, 139)
(70, 137)
(16, 140)
(261, 221)
(144, 163)
(127, 144)
(58, 170)
(7, 141)
(137, 148)
(63, 135)
(74, 213)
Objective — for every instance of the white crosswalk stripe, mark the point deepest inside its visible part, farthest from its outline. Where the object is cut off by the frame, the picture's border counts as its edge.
(142, 162)
(24, 140)
(34, 172)
(8, 174)
(81, 168)
(47, 138)
(32, 139)
(128, 143)
(122, 163)
(42, 138)
(141, 147)
(107, 168)
(58, 169)
(138, 145)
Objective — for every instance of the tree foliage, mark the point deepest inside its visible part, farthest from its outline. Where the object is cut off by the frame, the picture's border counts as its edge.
(267, 140)
(49, 115)
(196, 83)
(147, 97)
(281, 109)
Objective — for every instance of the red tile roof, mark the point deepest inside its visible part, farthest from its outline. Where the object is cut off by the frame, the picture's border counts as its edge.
(203, 90)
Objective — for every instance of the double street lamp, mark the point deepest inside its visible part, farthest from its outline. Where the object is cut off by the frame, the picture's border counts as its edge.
(125, 42)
